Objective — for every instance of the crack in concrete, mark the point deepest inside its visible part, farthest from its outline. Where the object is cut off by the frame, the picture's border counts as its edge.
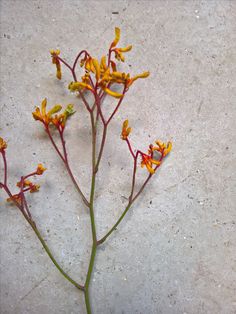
(176, 184)
(33, 288)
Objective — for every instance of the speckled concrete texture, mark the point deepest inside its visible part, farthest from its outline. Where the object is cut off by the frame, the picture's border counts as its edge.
(175, 251)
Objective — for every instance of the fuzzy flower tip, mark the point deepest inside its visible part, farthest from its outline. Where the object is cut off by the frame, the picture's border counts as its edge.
(54, 54)
(125, 130)
(162, 148)
(40, 169)
(3, 144)
(31, 186)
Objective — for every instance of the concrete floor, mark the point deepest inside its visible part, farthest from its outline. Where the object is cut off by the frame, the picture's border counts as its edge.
(175, 251)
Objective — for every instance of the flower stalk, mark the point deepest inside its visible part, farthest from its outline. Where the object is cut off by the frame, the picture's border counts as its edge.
(98, 79)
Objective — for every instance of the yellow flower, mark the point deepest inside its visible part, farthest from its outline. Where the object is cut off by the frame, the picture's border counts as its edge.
(40, 169)
(142, 75)
(55, 54)
(25, 183)
(120, 78)
(124, 78)
(34, 188)
(96, 68)
(125, 130)
(117, 37)
(76, 86)
(168, 149)
(44, 116)
(163, 148)
(89, 65)
(60, 120)
(112, 93)
(103, 64)
(118, 51)
(3, 144)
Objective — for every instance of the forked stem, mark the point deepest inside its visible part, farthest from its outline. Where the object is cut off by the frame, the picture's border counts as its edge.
(38, 234)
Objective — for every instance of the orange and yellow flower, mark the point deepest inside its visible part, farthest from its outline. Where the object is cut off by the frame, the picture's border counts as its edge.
(3, 144)
(44, 116)
(148, 162)
(60, 120)
(118, 51)
(125, 130)
(163, 148)
(40, 169)
(51, 117)
(32, 187)
(117, 37)
(54, 55)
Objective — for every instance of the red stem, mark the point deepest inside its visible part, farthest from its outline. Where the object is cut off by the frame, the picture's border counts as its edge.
(66, 64)
(146, 181)
(63, 145)
(23, 200)
(77, 58)
(65, 161)
(130, 148)
(98, 104)
(54, 144)
(5, 166)
(75, 79)
(30, 175)
(117, 107)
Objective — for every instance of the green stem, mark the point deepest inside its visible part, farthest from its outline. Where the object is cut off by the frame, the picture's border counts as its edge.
(115, 225)
(132, 199)
(80, 287)
(88, 278)
(92, 219)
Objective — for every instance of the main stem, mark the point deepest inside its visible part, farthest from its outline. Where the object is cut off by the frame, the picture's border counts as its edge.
(93, 226)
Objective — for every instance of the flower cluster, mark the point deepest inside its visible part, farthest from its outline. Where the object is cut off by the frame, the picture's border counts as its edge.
(147, 159)
(51, 117)
(26, 185)
(104, 72)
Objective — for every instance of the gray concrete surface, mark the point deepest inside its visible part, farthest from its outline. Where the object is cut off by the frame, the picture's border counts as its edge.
(175, 252)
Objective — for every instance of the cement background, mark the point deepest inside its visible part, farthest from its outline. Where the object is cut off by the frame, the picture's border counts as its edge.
(175, 251)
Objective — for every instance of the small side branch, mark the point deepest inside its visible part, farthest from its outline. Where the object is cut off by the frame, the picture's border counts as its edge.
(65, 161)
